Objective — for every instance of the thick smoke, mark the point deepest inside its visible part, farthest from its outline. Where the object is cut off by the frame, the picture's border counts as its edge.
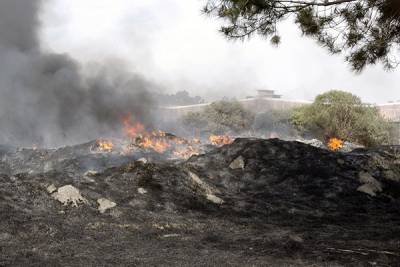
(45, 99)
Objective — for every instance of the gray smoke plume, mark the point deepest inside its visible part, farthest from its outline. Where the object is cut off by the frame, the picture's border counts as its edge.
(45, 99)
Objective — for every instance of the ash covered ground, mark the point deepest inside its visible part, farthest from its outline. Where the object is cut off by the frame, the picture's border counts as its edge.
(254, 202)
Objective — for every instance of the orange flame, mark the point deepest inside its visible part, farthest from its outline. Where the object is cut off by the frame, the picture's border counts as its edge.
(132, 129)
(335, 144)
(105, 145)
(158, 141)
(155, 142)
(219, 140)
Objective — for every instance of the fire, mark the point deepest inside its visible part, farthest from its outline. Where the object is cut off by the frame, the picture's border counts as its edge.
(137, 137)
(335, 144)
(132, 129)
(219, 140)
(155, 142)
(105, 145)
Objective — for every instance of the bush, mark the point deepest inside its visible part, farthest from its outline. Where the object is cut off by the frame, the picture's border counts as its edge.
(275, 121)
(342, 115)
(220, 118)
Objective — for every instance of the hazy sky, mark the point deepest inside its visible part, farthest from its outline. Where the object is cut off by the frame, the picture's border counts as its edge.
(173, 44)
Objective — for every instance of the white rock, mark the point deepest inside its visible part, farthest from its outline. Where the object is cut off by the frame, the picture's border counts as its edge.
(105, 204)
(209, 192)
(171, 235)
(142, 191)
(69, 195)
(51, 189)
(370, 185)
(296, 238)
(196, 178)
(144, 160)
(238, 163)
(369, 189)
(367, 178)
(214, 199)
(90, 173)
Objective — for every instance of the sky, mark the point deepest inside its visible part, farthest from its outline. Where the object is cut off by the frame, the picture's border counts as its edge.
(173, 44)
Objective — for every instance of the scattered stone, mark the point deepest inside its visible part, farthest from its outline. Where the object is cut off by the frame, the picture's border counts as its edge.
(369, 189)
(196, 178)
(208, 190)
(91, 173)
(105, 204)
(51, 189)
(69, 195)
(390, 175)
(370, 185)
(238, 163)
(142, 191)
(296, 238)
(203, 185)
(367, 178)
(214, 199)
(171, 235)
(143, 160)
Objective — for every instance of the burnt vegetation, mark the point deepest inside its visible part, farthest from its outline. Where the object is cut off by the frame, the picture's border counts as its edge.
(251, 202)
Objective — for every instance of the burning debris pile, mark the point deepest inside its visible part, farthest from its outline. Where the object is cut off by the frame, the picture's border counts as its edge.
(251, 202)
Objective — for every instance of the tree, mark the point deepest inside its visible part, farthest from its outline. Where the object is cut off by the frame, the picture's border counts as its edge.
(342, 115)
(275, 121)
(367, 31)
(221, 117)
(195, 122)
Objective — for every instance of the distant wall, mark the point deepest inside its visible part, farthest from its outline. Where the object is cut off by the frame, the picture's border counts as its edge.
(256, 104)
(391, 111)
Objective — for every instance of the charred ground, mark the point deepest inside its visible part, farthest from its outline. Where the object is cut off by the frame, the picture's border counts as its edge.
(251, 203)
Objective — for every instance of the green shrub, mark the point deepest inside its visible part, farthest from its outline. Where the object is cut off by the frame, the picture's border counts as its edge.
(275, 121)
(220, 118)
(342, 115)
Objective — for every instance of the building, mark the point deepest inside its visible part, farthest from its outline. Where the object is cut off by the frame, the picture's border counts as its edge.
(391, 111)
(267, 94)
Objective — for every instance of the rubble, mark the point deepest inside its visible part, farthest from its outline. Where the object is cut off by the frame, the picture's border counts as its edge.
(51, 189)
(142, 191)
(214, 199)
(69, 195)
(238, 163)
(105, 204)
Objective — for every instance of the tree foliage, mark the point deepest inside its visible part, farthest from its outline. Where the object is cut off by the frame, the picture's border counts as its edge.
(275, 121)
(367, 31)
(221, 117)
(342, 115)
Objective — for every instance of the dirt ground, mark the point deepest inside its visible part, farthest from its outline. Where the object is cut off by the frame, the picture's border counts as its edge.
(252, 203)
